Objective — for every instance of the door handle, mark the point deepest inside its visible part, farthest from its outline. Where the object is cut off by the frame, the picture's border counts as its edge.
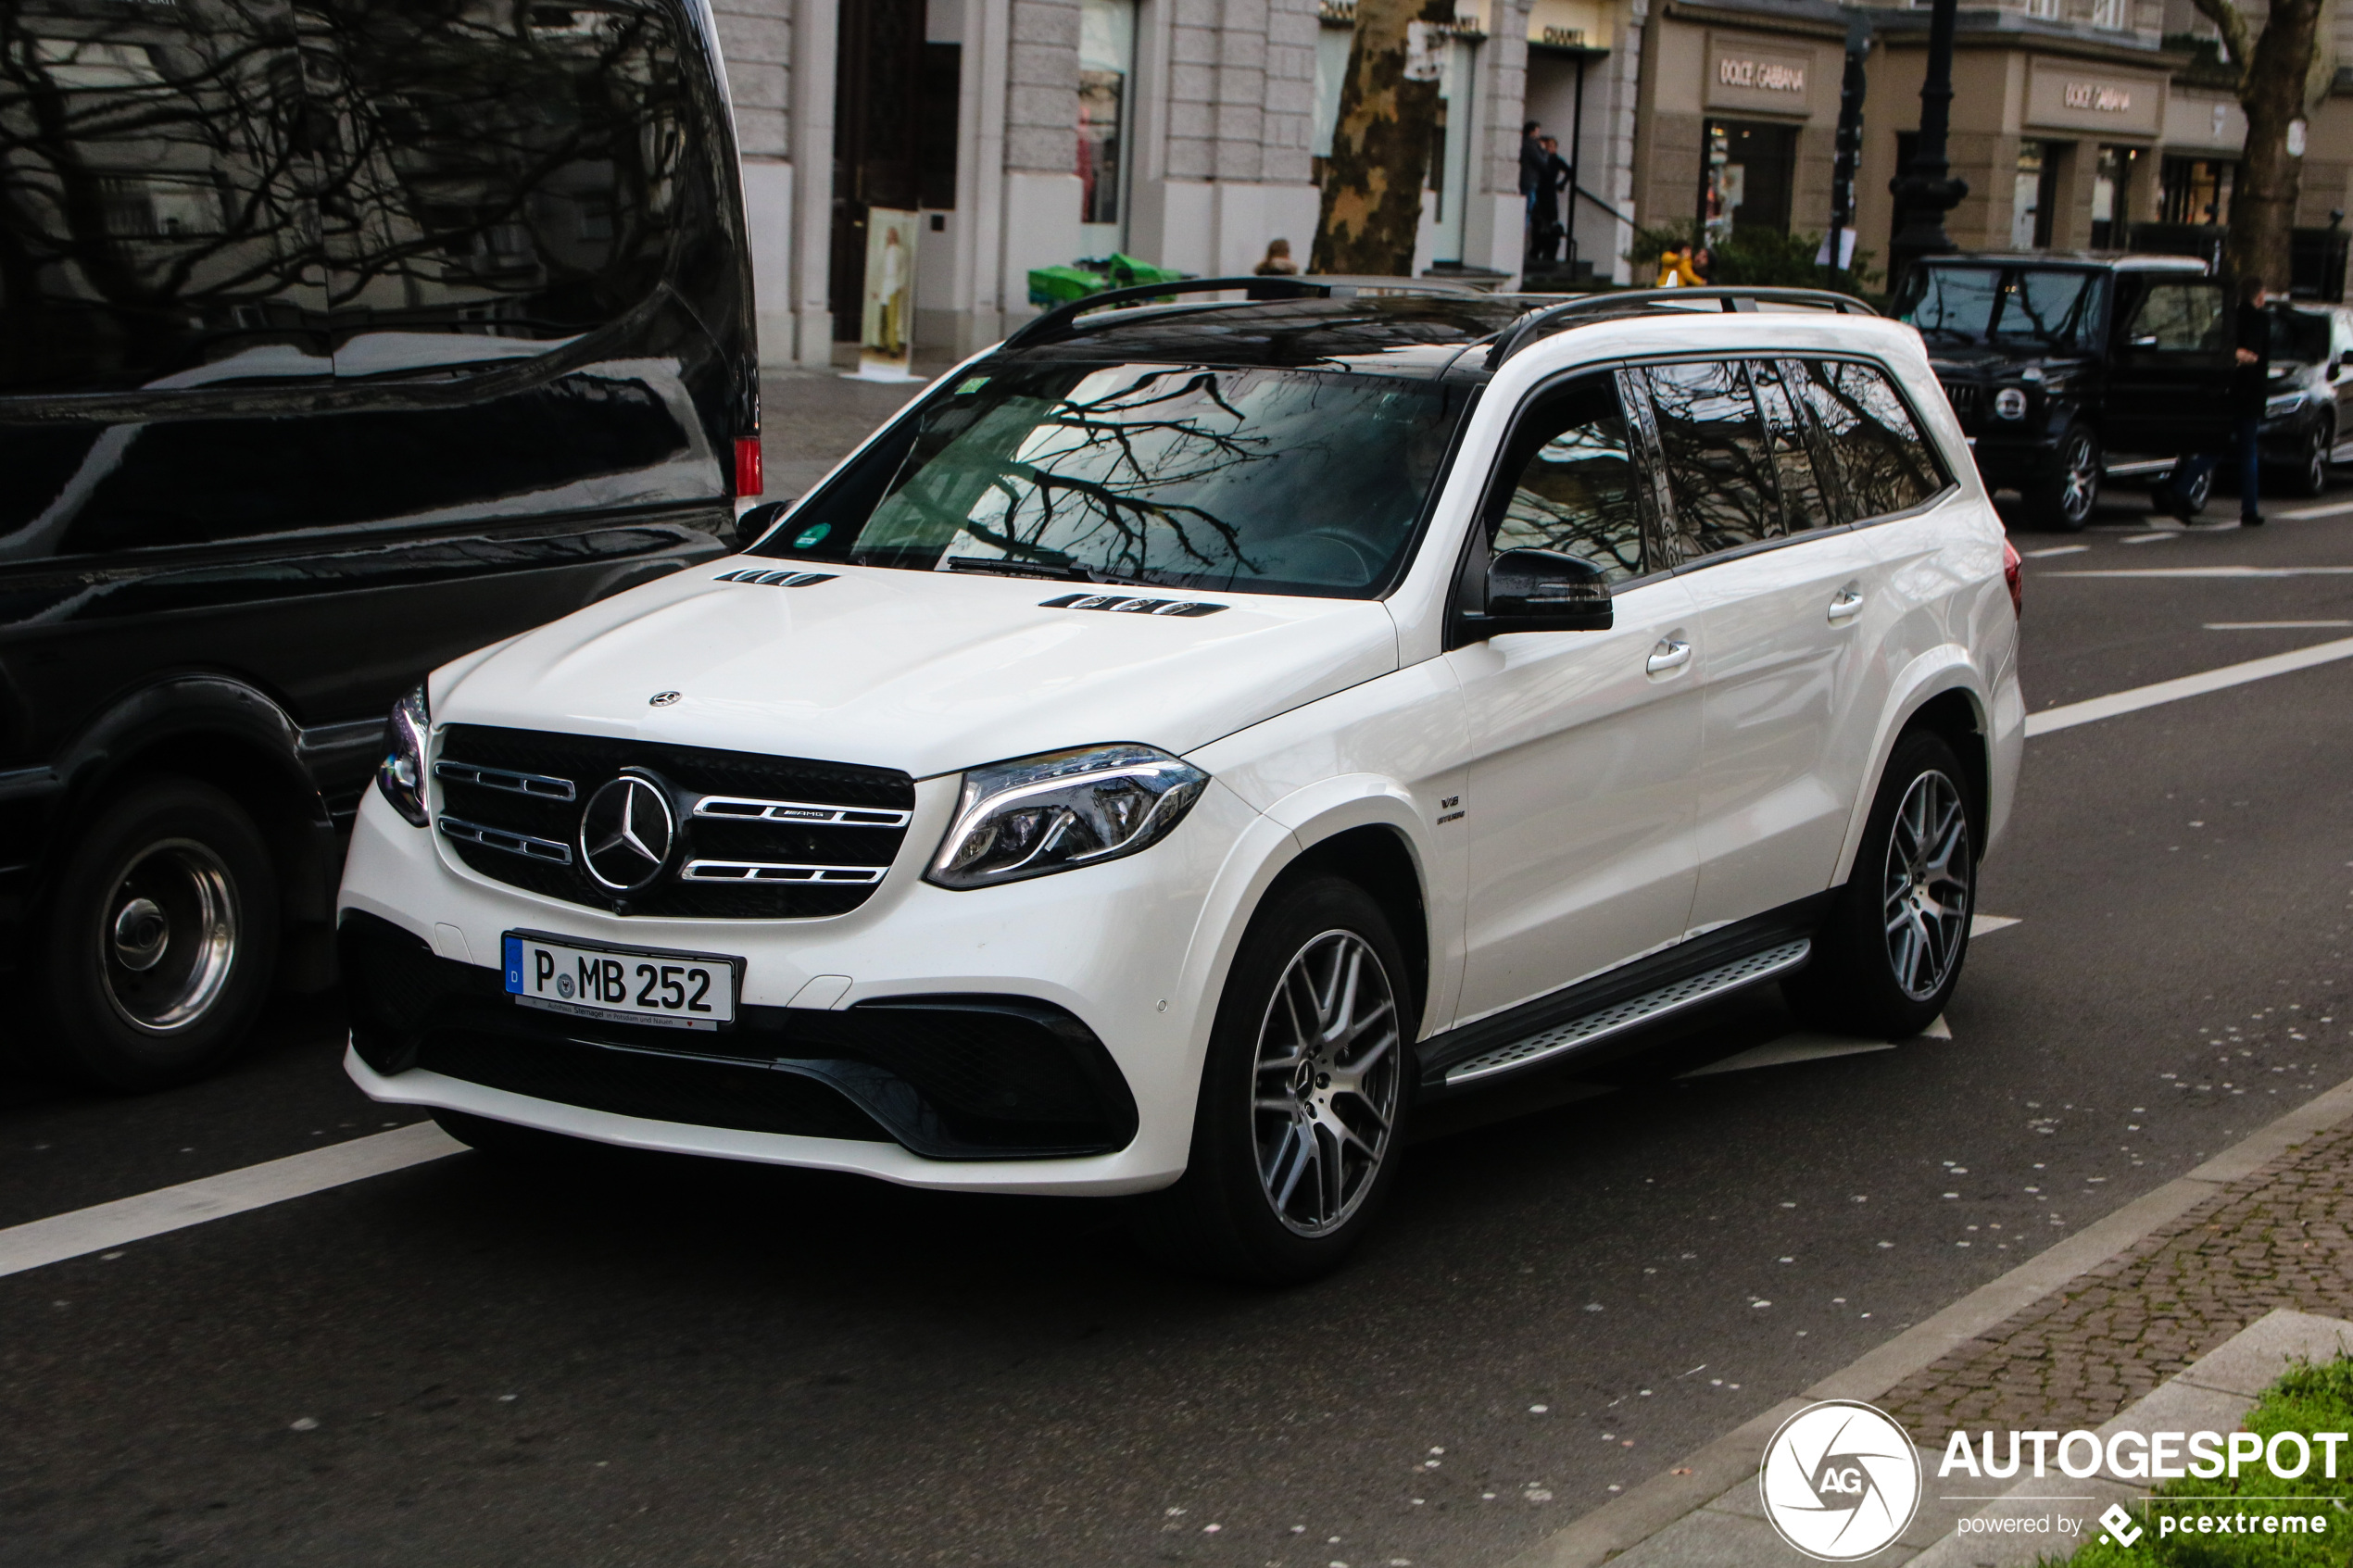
(1845, 604)
(1672, 653)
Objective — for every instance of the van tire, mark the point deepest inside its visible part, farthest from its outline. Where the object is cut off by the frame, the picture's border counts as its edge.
(162, 940)
(1251, 1205)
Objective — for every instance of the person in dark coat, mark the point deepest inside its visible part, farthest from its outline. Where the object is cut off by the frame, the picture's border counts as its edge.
(1544, 202)
(1531, 163)
(2250, 383)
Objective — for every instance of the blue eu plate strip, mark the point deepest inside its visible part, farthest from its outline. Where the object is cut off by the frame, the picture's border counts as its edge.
(514, 965)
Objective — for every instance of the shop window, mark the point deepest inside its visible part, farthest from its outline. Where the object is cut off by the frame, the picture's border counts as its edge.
(2044, 10)
(2116, 16)
(1106, 109)
(1332, 44)
(1745, 178)
(2036, 199)
(2196, 190)
(2112, 198)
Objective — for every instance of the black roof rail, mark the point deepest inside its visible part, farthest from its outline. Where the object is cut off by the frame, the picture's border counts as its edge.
(1729, 297)
(1315, 285)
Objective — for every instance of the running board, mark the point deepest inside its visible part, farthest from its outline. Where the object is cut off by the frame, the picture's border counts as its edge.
(1578, 1033)
(2139, 469)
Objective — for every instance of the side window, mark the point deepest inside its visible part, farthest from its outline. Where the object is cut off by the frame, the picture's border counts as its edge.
(2178, 318)
(510, 170)
(1719, 465)
(157, 226)
(1804, 505)
(1567, 482)
(1883, 461)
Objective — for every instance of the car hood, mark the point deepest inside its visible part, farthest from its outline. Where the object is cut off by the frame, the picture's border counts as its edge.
(914, 669)
(1959, 362)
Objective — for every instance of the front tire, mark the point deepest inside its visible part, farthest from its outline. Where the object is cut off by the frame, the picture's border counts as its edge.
(161, 939)
(1303, 1095)
(1887, 959)
(2062, 497)
(2312, 475)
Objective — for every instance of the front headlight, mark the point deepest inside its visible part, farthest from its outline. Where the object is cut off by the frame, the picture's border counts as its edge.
(2009, 403)
(402, 775)
(2286, 403)
(1056, 812)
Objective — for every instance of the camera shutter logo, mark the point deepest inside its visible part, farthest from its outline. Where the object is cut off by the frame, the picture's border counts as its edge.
(625, 832)
(1841, 1481)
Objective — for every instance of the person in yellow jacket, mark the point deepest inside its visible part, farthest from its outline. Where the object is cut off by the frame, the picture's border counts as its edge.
(1675, 269)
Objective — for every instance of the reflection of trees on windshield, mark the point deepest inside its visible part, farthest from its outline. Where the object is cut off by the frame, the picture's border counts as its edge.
(1954, 301)
(2051, 308)
(1167, 473)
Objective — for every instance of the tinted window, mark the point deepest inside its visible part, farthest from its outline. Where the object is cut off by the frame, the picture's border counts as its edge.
(1881, 459)
(156, 224)
(2300, 335)
(1571, 482)
(1184, 476)
(1803, 506)
(1718, 463)
(1952, 302)
(2178, 317)
(512, 170)
(2057, 307)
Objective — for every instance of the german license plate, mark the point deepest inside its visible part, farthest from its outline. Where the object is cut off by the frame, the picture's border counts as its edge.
(642, 984)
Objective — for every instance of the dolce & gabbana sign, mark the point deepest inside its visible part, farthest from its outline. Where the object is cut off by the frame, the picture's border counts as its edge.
(1756, 74)
(2074, 98)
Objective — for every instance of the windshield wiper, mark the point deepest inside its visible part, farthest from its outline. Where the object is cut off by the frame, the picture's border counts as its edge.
(1003, 567)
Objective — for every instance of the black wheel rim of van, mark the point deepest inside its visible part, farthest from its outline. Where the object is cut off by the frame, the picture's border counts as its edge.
(168, 937)
(1327, 1081)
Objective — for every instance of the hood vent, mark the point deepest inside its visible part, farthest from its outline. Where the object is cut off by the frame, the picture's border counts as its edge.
(1119, 604)
(778, 579)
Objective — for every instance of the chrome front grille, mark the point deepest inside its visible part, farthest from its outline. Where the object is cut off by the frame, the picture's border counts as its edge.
(758, 837)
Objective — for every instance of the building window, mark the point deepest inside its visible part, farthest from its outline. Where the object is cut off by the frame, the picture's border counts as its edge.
(2047, 11)
(1106, 91)
(2114, 15)
(2196, 190)
(2034, 199)
(1745, 176)
(2112, 198)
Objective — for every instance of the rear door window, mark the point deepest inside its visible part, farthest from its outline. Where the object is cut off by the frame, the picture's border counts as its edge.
(1805, 504)
(1885, 464)
(1717, 460)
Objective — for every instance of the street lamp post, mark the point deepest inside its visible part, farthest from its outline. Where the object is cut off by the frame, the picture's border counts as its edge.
(1926, 190)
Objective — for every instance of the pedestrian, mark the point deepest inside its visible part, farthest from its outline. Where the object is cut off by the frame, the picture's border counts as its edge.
(1278, 262)
(1702, 266)
(1675, 269)
(1551, 178)
(2250, 379)
(1531, 157)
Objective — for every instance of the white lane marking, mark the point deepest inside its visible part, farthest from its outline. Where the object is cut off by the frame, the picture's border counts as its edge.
(1937, 1029)
(2335, 509)
(1803, 1046)
(1980, 926)
(2058, 550)
(2271, 625)
(2229, 675)
(2187, 571)
(39, 1242)
(2148, 538)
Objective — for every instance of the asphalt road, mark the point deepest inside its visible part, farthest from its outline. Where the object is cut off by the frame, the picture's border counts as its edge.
(658, 1361)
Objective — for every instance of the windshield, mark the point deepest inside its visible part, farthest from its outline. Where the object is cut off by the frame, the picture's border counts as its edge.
(1983, 303)
(2302, 336)
(1285, 482)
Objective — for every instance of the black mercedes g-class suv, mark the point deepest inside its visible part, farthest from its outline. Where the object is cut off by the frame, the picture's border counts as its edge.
(2068, 371)
(336, 340)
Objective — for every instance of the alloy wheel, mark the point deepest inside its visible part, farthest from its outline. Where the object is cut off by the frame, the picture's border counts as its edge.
(1328, 1080)
(2315, 462)
(168, 937)
(2080, 480)
(1927, 888)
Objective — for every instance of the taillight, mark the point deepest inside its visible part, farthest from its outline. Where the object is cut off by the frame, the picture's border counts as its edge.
(748, 465)
(2014, 573)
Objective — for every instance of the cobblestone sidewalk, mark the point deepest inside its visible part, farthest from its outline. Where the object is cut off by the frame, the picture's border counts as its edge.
(2276, 1239)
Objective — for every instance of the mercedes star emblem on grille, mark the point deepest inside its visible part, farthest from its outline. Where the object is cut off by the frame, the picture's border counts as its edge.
(625, 832)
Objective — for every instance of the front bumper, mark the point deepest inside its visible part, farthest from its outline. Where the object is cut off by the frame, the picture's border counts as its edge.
(885, 1041)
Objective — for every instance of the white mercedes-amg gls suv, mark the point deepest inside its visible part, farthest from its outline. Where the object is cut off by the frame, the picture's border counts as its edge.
(1202, 731)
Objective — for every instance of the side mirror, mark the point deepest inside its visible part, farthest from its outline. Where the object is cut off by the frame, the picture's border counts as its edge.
(1540, 591)
(2148, 342)
(760, 520)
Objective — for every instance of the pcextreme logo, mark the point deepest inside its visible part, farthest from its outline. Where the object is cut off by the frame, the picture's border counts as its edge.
(1841, 1480)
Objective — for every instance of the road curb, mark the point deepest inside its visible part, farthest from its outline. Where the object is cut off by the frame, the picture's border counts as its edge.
(1701, 1476)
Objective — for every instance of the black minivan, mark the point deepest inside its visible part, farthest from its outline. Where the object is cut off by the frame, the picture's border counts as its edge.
(337, 338)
